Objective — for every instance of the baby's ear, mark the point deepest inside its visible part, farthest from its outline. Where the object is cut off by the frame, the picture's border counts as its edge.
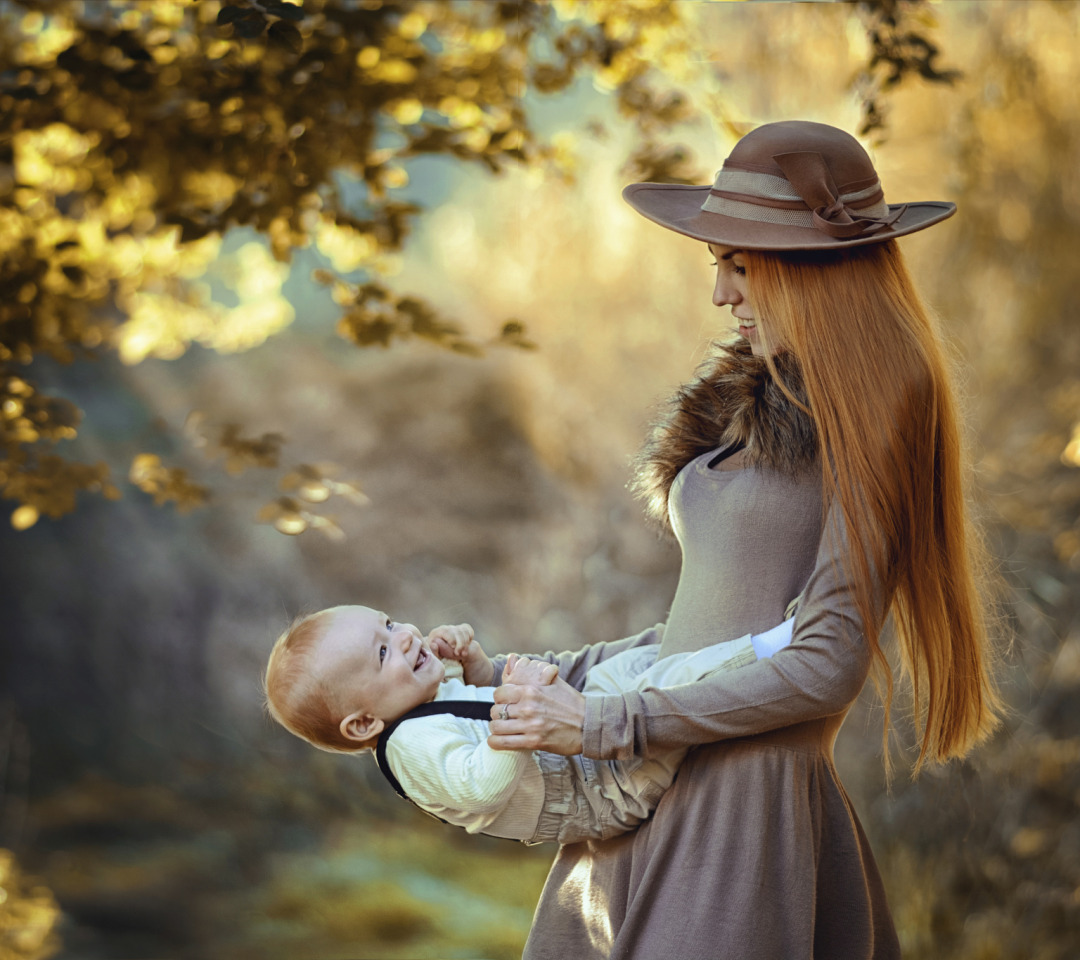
(360, 727)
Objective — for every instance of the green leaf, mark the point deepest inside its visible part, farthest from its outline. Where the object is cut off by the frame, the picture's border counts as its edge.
(231, 14)
(285, 35)
(250, 25)
(190, 230)
(290, 11)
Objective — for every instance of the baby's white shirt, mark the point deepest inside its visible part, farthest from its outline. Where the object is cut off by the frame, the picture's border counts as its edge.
(444, 764)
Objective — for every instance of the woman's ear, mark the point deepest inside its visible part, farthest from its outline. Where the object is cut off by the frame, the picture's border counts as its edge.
(360, 726)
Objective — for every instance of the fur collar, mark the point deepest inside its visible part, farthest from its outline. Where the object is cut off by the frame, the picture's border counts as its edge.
(733, 399)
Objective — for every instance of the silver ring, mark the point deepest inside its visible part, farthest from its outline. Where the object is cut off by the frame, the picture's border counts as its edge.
(505, 715)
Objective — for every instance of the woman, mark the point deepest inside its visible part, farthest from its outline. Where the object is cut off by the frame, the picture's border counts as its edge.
(819, 454)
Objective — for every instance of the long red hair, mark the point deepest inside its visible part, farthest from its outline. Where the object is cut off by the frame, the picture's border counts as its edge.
(880, 392)
(871, 373)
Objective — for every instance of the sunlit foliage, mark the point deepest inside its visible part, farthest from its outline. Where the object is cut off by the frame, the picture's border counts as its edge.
(134, 135)
(165, 483)
(28, 914)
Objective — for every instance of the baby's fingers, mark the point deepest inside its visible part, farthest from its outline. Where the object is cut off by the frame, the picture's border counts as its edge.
(440, 647)
(456, 637)
(536, 673)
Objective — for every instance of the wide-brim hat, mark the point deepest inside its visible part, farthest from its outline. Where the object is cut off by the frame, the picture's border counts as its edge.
(792, 185)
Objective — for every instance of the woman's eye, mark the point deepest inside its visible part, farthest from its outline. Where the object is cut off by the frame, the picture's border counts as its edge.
(740, 271)
(382, 653)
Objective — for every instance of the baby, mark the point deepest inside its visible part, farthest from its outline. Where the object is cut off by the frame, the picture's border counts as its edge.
(343, 677)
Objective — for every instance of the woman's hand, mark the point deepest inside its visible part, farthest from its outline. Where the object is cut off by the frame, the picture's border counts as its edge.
(549, 716)
(457, 643)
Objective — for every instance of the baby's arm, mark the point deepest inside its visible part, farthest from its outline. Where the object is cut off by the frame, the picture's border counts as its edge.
(452, 775)
(574, 666)
(457, 643)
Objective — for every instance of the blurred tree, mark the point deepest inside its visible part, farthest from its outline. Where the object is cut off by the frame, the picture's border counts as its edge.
(900, 47)
(1012, 884)
(134, 135)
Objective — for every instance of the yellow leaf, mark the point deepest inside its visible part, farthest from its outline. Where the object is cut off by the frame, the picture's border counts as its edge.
(394, 71)
(143, 467)
(351, 493)
(396, 177)
(367, 58)
(328, 528)
(412, 25)
(24, 517)
(292, 524)
(406, 111)
(313, 491)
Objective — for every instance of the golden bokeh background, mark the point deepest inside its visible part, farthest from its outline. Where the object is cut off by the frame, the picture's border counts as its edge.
(254, 380)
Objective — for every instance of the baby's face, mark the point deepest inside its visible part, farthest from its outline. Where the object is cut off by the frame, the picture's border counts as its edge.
(374, 664)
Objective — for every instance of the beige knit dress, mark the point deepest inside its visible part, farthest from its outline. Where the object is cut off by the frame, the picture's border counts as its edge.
(755, 853)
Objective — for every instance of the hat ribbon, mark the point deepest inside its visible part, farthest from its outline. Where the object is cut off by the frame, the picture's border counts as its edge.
(809, 175)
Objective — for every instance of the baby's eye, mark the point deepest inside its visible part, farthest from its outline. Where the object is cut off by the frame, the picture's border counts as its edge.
(389, 623)
(713, 264)
(382, 653)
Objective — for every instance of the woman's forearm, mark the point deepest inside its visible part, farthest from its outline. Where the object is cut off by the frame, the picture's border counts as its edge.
(574, 665)
(803, 682)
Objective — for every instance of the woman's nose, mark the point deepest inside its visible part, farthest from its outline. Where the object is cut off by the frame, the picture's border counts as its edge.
(724, 292)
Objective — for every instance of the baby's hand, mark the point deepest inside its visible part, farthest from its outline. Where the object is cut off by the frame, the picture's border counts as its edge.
(451, 643)
(533, 673)
(457, 643)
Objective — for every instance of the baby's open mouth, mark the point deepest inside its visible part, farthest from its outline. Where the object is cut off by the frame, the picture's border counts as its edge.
(420, 660)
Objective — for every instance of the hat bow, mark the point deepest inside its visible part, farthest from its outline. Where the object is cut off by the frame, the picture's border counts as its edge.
(808, 173)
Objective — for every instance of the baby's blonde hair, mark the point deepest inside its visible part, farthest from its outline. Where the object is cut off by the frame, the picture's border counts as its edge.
(296, 697)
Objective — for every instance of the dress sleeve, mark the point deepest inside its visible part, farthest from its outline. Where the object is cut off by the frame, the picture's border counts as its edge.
(574, 665)
(820, 674)
(446, 769)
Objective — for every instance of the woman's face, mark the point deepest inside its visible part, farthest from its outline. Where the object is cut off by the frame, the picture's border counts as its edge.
(730, 290)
